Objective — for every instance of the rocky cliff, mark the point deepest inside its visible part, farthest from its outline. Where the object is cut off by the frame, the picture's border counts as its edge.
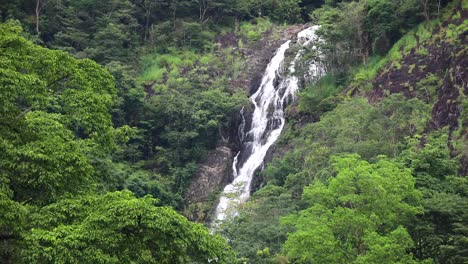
(215, 170)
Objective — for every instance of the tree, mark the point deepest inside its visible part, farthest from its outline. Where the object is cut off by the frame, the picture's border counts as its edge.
(39, 5)
(37, 79)
(356, 217)
(46, 159)
(148, 7)
(118, 228)
(345, 33)
(177, 5)
(383, 24)
(256, 233)
(288, 11)
(55, 128)
(438, 233)
(55, 111)
(427, 6)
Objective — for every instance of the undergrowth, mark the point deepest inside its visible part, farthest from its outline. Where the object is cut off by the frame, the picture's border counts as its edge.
(320, 96)
(254, 31)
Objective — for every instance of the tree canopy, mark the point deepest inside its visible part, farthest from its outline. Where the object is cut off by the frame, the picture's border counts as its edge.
(55, 121)
(357, 217)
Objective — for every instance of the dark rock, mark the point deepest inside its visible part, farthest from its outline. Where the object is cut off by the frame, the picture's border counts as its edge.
(447, 59)
(213, 174)
(227, 40)
(215, 171)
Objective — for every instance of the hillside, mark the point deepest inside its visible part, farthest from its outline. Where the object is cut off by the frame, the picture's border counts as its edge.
(217, 131)
(407, 105)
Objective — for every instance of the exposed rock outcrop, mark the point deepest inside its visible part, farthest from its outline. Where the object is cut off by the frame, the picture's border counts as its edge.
(444, 59)
(213, 173)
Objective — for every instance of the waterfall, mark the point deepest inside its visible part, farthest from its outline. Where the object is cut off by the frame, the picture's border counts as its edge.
(270, 100)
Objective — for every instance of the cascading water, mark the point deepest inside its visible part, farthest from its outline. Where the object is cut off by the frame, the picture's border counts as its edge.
(269, 101)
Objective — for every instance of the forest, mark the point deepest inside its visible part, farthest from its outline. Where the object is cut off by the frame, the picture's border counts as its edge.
(110, 110)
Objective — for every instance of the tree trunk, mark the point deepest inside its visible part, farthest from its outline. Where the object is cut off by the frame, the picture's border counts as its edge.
(174, 12)
(204, 6)
(438, 9)
(148, 13)
(38, 11)
(426, 11)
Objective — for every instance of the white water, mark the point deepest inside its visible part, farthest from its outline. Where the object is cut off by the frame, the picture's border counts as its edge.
(267, 124)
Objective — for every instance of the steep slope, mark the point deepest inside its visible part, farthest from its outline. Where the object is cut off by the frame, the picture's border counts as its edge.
(215, 170)
(408, 108)
(435, 70)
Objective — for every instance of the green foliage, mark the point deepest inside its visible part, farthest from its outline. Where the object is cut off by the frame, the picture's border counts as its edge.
(143, 183)
(356, 30)
(190, 122)
(55, 111)
(254, 31)
(321, 96)
(104, 38)
(117, 228)
(253, 36)
(343, 25)
(63, 161)
(188, 105)
(408, 41)
(288, 11)
(56, 140)
(389, 249)
(357, 216)
(130, 95)
(157, 66)
(354, 126)
(256, 234)
(428, 86)
(383, 24)
(368, 72)
(183, 121)
(280, 10)
(434, 159)
(442, 228)
(347, 220)
(52, 161)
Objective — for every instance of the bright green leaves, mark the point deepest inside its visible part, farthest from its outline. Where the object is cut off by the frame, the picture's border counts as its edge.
(356, 126)
(54, 114)
(442, 228)
(434, 159)
(313, 240)
(353, 216)
(119, 228)
(363, 197)
(89, 100)
(34, 78)
(382, 189)
(55, 110)
(48, 160)
(388, 249)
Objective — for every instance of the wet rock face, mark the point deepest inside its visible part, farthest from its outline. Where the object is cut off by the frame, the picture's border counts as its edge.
(213, 174)
(215, 171)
